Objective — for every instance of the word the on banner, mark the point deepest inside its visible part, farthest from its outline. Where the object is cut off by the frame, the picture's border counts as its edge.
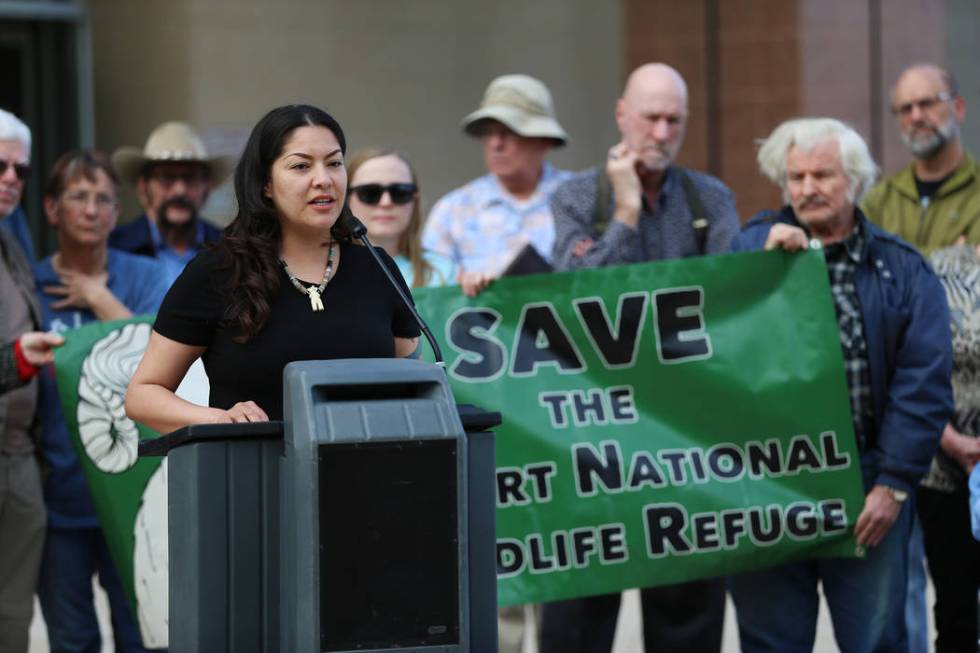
(662, 422)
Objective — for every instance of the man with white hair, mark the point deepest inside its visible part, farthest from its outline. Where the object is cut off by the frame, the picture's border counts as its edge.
(894, 332)
(642, 207)
(934, 201)
(22, 515)
(16, 159)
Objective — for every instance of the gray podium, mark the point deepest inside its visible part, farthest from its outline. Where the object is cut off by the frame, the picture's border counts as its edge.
(362, 522)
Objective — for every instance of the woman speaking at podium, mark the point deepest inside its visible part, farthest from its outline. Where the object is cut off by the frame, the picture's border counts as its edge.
(285, 283)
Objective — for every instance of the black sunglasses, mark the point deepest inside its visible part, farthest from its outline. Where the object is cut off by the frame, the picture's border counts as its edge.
(371, 193)
(22, 170)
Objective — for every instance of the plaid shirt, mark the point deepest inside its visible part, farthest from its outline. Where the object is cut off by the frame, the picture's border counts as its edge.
(842, 261)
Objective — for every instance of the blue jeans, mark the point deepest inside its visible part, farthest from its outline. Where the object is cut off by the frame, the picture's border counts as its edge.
(916, 619)
(777, 608)
(71, 558)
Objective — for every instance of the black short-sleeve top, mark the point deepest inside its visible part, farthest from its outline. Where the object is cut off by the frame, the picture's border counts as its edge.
(362, 315)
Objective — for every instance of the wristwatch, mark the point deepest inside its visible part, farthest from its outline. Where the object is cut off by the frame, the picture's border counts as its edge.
(900, 496)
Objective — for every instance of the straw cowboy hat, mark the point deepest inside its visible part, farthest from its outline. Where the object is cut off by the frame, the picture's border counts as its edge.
(523, 104)
(171, 142)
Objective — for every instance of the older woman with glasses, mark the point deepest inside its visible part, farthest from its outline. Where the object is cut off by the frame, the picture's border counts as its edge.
(385, 196)
(84, 281)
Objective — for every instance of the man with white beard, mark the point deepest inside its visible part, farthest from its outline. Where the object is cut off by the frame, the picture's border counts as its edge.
(934, 201)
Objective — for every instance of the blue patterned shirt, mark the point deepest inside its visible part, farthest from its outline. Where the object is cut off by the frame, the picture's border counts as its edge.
(481, 227)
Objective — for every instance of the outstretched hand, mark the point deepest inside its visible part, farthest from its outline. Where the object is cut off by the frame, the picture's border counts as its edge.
(38, 348)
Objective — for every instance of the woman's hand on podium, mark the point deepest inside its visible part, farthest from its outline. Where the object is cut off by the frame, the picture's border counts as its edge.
(243, 411)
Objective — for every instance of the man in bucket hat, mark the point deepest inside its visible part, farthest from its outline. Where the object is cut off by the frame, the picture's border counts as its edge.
(173, 163)
(484, 224)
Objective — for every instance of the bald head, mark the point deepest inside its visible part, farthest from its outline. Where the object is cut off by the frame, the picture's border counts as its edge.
(935, 75)
(656, 79)
(652, 114)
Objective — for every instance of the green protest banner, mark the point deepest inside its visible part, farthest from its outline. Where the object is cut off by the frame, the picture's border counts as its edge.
(93, 370)
(662, 422)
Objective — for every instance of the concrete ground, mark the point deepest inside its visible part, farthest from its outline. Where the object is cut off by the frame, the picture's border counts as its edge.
(628, 636)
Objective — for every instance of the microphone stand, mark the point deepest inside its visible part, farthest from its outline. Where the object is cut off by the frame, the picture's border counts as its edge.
(359, 231)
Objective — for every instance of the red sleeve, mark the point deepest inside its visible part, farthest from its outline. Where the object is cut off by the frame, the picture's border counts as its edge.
(25, 370)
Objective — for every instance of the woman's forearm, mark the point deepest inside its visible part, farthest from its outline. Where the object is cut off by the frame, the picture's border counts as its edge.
(163, 411)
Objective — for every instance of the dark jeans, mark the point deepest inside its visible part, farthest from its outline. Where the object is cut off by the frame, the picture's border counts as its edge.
(687, 618)
(954, 564)
(777, 607)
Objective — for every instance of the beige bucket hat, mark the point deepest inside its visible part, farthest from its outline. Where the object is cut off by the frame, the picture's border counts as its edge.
(523, 104)
(171, 142)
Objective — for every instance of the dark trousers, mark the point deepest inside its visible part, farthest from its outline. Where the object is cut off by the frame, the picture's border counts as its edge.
(954, 564)
(687, 618)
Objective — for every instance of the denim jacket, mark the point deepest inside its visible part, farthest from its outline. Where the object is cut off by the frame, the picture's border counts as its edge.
(906, 322)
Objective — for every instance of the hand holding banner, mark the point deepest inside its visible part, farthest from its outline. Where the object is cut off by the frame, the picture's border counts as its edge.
(662, 422)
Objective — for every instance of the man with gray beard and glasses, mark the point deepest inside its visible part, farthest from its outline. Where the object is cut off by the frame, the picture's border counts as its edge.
(935, 201)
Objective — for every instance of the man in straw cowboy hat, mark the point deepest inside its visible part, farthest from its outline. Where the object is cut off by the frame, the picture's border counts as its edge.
(173, 163)
(484, 224)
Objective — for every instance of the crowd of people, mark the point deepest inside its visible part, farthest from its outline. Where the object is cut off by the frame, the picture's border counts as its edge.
(902, 253)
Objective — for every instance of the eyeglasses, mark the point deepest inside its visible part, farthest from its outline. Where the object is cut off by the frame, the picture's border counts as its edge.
(22, 170)
(103, 202)
(924, 104)
(371, 194)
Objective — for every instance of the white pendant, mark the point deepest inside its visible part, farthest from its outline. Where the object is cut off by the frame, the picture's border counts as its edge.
(315, 302)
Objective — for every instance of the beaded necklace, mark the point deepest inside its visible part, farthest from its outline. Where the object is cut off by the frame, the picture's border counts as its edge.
(314, 292)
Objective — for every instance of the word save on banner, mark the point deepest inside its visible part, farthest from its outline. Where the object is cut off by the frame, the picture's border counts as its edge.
(661, 422)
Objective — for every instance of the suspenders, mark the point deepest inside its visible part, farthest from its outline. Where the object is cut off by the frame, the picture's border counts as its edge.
(699, 219)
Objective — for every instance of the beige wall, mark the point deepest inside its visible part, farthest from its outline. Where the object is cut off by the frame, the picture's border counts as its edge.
(393, 73)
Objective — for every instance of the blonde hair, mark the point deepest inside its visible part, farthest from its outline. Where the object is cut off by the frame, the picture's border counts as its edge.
(807, 133)
(410, 241)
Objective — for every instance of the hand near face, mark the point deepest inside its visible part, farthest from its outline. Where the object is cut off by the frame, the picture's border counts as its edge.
(626, 186)
(879, 513)
(787, 237)
(78, 290)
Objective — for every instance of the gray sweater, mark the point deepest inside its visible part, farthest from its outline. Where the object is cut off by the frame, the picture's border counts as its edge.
(665, 231)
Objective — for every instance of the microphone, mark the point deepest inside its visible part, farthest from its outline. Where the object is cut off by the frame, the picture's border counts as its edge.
(359, 231)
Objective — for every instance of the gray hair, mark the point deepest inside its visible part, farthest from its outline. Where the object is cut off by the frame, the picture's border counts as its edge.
(807, 133)
(13, 129)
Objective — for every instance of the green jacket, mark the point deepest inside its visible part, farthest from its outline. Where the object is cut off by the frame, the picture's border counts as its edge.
(954, 211)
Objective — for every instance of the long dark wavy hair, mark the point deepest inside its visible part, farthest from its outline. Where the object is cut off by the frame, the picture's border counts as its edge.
(249, 248)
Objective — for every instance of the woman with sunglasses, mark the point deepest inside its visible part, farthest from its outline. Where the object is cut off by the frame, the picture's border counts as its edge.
(284, 283)
(385, 196)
